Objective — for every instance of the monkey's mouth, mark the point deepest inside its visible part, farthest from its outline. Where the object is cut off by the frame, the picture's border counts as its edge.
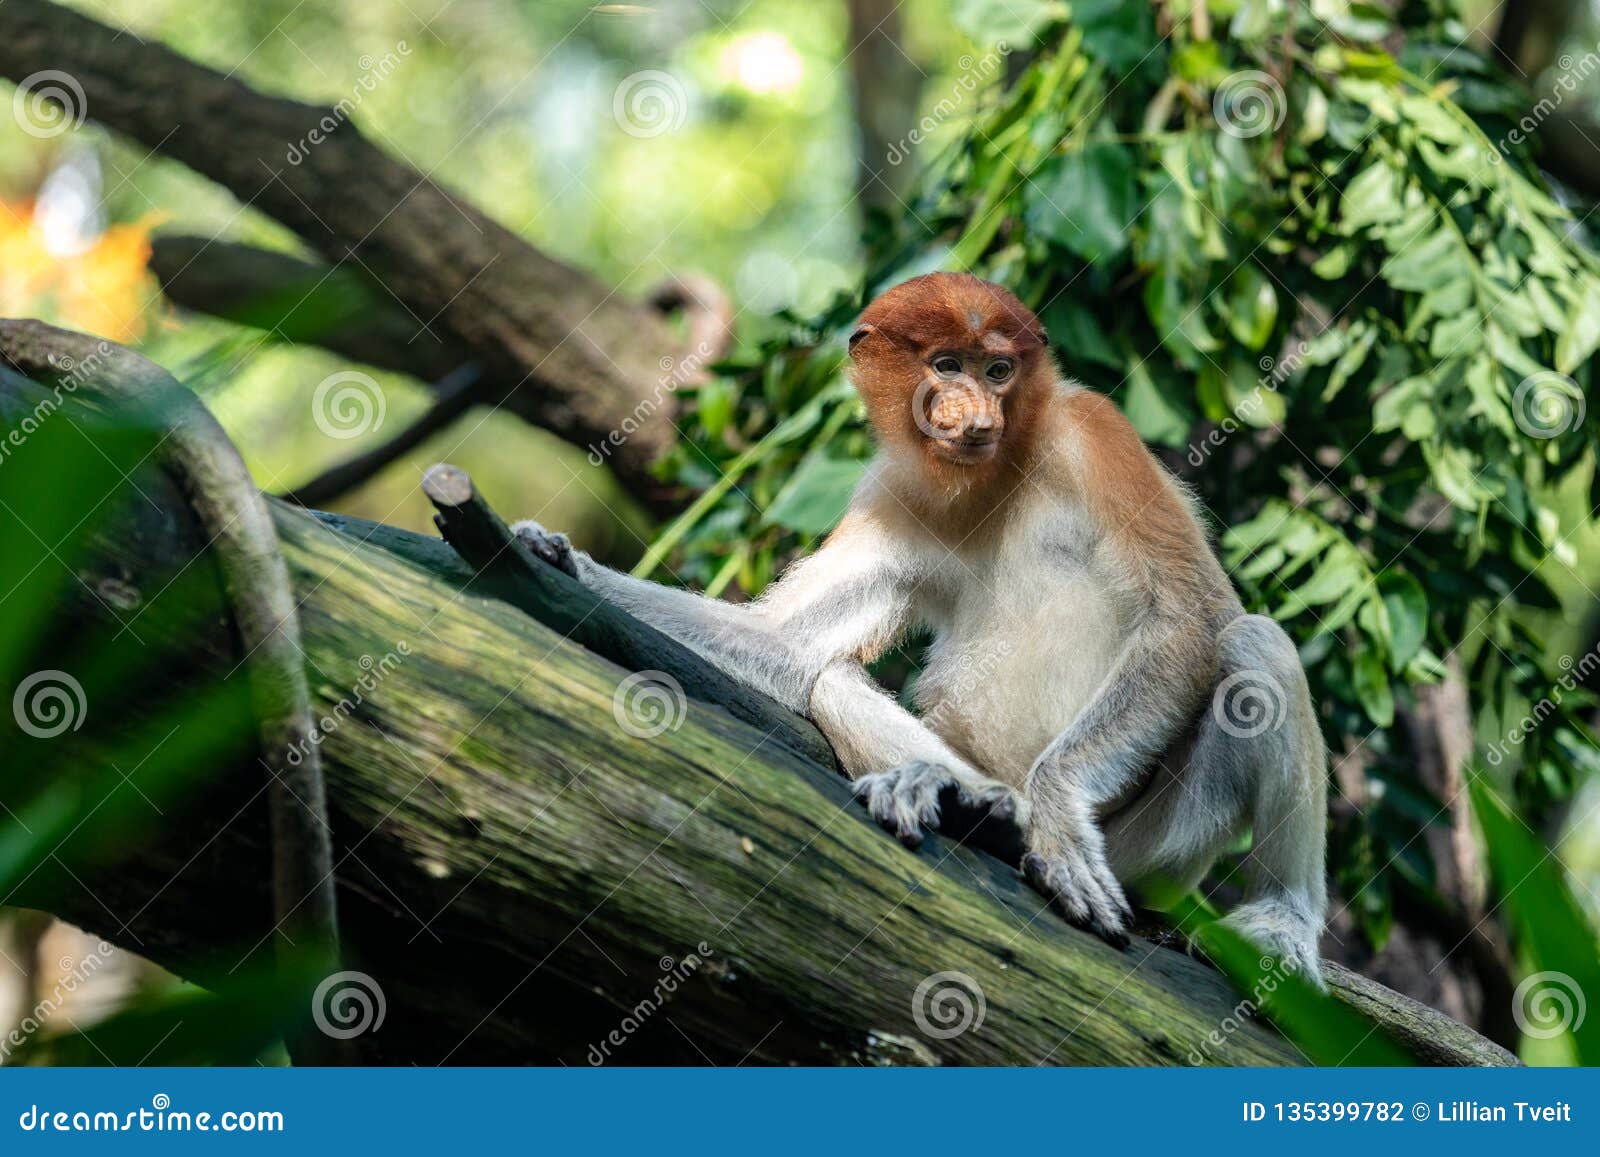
(966, 451)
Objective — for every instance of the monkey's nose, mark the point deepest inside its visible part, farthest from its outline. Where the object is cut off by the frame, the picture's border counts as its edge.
(980, 427)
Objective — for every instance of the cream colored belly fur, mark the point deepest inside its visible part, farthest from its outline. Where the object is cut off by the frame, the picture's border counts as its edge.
(1001, 704)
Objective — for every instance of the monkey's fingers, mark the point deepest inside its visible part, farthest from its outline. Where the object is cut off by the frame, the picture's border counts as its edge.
(1074, 897)
(554, 549)
(905, 802)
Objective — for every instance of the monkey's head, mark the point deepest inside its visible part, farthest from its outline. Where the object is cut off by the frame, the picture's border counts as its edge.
(952, 368)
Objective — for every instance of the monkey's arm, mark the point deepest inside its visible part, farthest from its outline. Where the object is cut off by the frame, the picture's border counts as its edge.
(1152, 543)
(847, 601)
(1154, 550)
(804, 643)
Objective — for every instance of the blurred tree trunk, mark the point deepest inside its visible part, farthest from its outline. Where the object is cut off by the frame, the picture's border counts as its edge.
(888, 87)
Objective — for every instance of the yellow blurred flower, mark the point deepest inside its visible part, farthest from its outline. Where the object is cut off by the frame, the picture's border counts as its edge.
(103, 287)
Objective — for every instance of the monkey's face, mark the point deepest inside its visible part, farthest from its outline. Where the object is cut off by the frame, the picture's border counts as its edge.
(959, 404)
(949, 365)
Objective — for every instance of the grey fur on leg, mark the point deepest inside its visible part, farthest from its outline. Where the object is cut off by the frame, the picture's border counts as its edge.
(1256, 761)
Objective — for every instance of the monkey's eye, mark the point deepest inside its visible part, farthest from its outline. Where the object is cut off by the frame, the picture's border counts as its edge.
(998, 370)
(947, 364)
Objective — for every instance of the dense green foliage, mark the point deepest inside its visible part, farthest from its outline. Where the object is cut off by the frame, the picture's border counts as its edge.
(1313, 267)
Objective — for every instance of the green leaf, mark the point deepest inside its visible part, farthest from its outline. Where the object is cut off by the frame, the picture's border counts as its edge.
(1340, 570)
(1085, 201)
(1252, 307)
(1373, 198)
(1335, 263)
(816, 497)
(1015, 22)
(1392, 406)
(1077, 335)
(1363, 335)
(1158, 418)
(1118, 34)
(1581, 333)
(1550, 925)
(716, 402)
(1434, 261)
(1407, 604)
(1372, 687)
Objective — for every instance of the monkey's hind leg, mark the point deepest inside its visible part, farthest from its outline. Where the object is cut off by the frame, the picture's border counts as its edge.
(1263, 706)
(1255, 759)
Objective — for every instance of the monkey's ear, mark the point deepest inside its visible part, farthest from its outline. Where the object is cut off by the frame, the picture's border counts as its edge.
(861, 332)
(1044, 336)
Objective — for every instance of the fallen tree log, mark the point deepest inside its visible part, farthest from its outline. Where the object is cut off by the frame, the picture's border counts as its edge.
(522, 864)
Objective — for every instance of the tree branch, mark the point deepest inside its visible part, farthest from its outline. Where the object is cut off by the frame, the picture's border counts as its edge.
(457, 393)
(556, 346)
(337, 308)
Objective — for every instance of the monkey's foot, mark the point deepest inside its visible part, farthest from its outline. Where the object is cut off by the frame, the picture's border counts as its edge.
(1281, 931)
(553, 548)
(1083, 891)
(909, 800)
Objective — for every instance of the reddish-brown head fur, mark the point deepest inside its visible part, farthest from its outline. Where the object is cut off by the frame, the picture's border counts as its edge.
(954, 371)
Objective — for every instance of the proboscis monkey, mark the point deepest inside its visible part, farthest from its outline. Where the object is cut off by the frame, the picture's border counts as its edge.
(1093, 675)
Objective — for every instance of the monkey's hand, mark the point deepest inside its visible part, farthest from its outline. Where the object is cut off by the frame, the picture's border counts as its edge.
(919, 797)
(1079, 883)
(551, 547)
